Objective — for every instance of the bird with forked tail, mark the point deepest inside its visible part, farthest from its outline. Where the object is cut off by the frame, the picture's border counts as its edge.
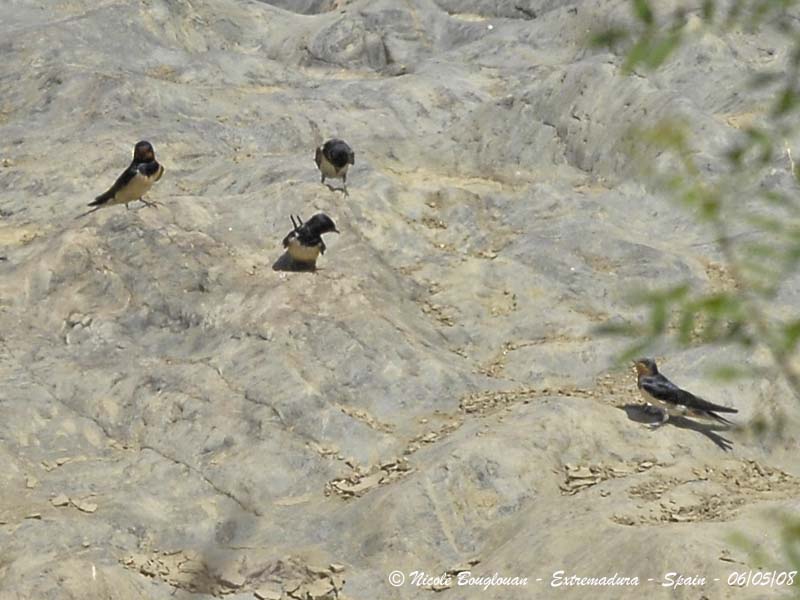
(672, 400)
(304, 243)
(134, 182)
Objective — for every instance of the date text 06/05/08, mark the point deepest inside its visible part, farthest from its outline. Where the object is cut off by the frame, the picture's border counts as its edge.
(762, 578)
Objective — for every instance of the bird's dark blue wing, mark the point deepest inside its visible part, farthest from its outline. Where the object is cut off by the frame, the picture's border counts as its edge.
(120, 183)
(662, 389)
(307, 237)
(697, 403)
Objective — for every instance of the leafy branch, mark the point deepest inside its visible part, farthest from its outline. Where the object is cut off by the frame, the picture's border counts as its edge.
(756, 227)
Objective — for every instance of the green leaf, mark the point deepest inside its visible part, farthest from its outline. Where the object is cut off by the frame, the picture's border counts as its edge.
(634, 351)
(686, 325)
(660, 51)
(761, 11)
(791, 335)
(636, 55)
(672, 294)
(764, 78)
(617, 329)
(609, 37)
(734, 11)
(708, 9)
(778, 199)
(787, 100)
(735, 154)
(766, 223)
(658, 318)
(644, 12)
(728, 372)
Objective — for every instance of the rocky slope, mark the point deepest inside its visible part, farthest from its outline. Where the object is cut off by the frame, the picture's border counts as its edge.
(177, 419)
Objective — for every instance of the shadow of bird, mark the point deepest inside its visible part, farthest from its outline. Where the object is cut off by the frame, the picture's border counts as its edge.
(641, 413)
(286, 263)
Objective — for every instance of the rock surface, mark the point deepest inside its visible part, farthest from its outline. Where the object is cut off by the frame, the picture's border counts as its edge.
(179, 420)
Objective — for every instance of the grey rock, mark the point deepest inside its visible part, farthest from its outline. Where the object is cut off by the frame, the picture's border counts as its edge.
(435, 394)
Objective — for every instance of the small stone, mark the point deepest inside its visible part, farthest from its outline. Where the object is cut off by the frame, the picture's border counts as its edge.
(318, 571)
(581, 473)
(336, 568)
(84, 506)
(31, 482)
(268, 592)
(321, 588)
(62, 460)
(458, 569)
(60, 500)
(363, 485)
(232, 578)
(33, 515)
(291, 585)
(338, 581)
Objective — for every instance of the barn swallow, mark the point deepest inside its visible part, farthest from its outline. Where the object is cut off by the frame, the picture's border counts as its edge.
(134, 182)
(671, 399)
(304, 243)
(333, 159)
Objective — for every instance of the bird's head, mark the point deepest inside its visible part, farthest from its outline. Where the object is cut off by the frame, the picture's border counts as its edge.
(321, 223)
(645, 366)
(143, 152)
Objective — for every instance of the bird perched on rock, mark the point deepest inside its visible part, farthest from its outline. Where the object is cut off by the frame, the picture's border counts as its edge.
(671, 399)
(134, 182)
(304, 243)
(333, 159)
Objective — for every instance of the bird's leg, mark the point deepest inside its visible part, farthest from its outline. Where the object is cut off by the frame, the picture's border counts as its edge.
(323, 178)
(344, 184)
(150, 203)
(664, 419)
